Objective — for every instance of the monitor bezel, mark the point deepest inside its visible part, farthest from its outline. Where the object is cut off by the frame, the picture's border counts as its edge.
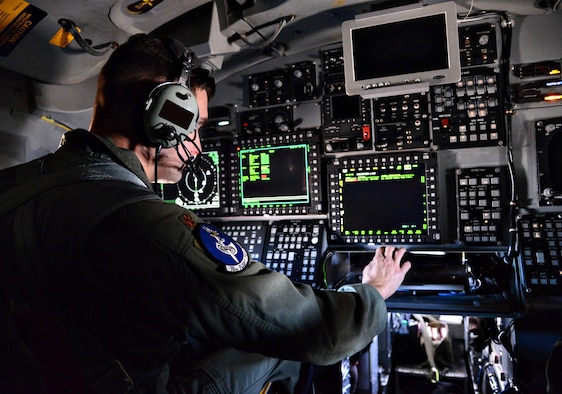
(265, 201)
(408, 82)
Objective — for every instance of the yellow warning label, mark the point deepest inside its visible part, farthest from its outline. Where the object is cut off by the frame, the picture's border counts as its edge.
(9, 10)
(17, 19)
(62, 38)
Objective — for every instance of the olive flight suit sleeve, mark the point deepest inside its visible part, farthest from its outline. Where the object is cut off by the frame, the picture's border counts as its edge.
(254, 309)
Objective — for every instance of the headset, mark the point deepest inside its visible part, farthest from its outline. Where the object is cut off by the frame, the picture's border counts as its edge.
(171, 111)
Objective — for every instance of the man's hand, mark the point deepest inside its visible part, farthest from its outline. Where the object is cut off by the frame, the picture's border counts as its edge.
(384, 272)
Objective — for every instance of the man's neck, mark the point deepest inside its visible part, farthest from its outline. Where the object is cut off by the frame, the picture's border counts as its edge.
(146, 156)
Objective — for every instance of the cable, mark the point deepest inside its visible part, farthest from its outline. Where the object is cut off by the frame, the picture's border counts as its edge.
(192, 161)
(281, 23)
(157, 189)
(469, 11)
(98, 50)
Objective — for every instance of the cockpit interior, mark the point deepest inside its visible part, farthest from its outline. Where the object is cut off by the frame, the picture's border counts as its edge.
(339, 126)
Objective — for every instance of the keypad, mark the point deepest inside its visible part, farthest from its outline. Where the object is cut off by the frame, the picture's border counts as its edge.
(483, 207)
(293, 247)
(468, 113)
(541, 253)
(251, 235)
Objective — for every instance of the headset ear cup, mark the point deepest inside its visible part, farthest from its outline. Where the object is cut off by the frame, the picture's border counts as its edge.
(171, 111)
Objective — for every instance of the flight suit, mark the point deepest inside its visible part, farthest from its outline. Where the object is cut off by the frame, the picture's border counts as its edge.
(157, 288)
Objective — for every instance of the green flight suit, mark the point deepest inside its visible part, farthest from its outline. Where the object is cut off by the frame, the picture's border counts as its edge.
(154, 294)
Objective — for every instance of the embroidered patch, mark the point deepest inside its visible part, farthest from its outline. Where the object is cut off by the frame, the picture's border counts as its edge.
(225, 251)
(188, 220)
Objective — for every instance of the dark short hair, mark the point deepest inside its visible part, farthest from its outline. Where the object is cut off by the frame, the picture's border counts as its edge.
(202, 79)
(140, 64)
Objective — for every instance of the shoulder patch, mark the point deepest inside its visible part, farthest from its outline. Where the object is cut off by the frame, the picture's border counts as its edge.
(188, 220)
(222, 249)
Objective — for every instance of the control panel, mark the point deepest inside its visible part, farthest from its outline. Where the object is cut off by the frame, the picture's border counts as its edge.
(269, 88)
(292, 247)
(310, 170)
(251, 235)
(548, 134)
(266, 121)
(282, 86)
(541, 253)
(483, 205)
(402, 122)
(468, 113)
(346, 120)
(478, 44)
(538, 82)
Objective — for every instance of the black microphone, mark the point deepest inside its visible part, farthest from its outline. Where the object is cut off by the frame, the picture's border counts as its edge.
(192, 161)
